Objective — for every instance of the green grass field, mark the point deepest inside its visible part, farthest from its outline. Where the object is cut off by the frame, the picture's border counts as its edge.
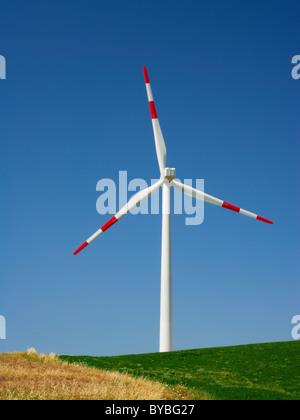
(251, 372)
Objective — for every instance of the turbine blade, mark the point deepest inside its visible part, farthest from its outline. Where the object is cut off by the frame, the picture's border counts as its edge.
(161, 150)
(200, 195)
(138, 198)
(135, 201)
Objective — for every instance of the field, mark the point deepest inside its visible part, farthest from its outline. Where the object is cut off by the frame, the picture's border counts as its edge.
(252, 372)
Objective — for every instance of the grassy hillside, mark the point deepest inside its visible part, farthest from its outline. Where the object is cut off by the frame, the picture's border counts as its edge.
(257, 371)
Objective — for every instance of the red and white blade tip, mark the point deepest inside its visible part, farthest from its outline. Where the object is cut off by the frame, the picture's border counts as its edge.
(107, 225)
(262, 219)
(146, 75)
(239, 210)
(81, 248)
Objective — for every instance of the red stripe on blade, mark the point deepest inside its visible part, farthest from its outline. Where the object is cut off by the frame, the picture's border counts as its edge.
(81, 248)
(146, 75)
(107, 225)
(152, 110)
(231, 207)
(262, 219)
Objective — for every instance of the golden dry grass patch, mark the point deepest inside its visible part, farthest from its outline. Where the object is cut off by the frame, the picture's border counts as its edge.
(32, 376)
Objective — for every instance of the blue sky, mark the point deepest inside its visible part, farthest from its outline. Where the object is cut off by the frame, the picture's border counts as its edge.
(74, 110)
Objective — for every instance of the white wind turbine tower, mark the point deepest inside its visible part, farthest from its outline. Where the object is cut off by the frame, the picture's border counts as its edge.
(167, 180)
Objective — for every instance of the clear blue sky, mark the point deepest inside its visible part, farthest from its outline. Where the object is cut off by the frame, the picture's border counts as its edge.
(74, 110)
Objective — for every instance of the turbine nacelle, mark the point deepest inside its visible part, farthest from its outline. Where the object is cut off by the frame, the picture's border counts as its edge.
(169, 174)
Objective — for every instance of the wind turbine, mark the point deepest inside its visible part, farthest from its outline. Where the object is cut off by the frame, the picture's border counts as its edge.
(167, 180)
